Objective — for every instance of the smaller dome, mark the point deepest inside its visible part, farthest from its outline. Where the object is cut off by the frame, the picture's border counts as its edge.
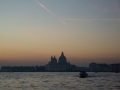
(53, 60)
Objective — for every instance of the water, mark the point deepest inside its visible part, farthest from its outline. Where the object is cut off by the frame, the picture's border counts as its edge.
(59, 81)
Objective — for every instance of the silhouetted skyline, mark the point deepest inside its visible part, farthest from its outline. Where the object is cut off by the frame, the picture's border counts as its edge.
(63, 67)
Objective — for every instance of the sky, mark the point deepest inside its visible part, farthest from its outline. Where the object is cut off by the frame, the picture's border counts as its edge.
(31, 31)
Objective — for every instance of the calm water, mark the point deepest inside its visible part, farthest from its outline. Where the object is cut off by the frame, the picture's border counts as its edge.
(59, 81)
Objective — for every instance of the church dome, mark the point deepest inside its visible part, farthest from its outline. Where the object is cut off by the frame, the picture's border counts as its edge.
(62, 59)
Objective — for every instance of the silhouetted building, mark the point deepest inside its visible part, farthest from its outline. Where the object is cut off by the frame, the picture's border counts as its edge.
(79, 69)
(61, 66)
(17, 69)
(40, 68)
(114, 67)
(94, 67)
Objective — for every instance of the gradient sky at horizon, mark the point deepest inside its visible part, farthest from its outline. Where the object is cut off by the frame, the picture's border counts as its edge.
(85, 30)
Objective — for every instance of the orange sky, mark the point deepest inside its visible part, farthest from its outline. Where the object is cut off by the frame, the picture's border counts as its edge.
(85, 31)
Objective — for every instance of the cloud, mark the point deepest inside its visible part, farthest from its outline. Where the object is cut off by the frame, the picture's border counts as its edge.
(45, 8)
(62, 21)
(88, 19)
(49, 11)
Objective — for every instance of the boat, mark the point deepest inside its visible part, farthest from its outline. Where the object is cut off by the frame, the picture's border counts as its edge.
(83, 74)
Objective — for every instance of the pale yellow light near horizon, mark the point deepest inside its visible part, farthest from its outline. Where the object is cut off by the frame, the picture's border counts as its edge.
(30, 46)
(84, 31)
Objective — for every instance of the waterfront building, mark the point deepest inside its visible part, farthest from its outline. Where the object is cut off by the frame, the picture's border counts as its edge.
(95, 67)
(114, 67)
(61, 66)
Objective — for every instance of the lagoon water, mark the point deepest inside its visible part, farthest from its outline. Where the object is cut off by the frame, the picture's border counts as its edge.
(58, 81)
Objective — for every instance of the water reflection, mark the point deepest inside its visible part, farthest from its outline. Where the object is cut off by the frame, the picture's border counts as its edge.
(59, 80)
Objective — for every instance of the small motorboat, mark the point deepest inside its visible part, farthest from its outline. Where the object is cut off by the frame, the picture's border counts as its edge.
(83, 74)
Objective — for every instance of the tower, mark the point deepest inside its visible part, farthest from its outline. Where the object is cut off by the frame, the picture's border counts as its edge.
(62, 59)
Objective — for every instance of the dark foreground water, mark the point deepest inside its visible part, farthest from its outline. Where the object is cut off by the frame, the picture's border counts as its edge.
(59, 81)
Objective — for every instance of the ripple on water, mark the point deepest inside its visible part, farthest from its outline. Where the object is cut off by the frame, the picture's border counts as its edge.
(59, 80)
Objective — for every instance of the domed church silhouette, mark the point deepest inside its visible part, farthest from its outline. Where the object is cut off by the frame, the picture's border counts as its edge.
(61, 66)
(62, 59)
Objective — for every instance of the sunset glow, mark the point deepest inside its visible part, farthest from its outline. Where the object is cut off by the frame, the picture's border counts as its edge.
(31, 31)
